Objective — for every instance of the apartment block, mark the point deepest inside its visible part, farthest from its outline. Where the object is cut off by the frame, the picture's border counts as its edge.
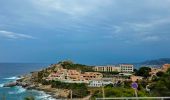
(106, 68)
(126, 68)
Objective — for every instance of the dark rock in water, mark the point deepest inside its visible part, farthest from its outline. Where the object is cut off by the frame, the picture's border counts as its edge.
(11, 84)
(30, 87)
(23, 84)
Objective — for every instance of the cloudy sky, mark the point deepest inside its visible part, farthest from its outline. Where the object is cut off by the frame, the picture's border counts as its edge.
(85, 31)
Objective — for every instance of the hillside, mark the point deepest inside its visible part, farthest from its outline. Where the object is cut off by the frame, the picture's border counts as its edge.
(160, 61)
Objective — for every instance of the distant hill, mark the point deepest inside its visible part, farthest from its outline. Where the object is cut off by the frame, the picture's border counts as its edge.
(160, 61)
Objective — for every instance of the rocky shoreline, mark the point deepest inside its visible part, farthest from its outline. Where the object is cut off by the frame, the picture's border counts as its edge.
(26, 83)
(37, 81)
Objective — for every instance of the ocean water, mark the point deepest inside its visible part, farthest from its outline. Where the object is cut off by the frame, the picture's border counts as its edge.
(10, 72)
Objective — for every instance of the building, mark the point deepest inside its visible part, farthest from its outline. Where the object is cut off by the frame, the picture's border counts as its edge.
(73, 75)
(126, 68)
(100, 82)
(91, 76)
(155, 70)
(106, 68)
(165, 67)
(61, 74)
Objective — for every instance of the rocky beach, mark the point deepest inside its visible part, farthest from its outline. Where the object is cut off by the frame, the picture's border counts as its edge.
(26, 82)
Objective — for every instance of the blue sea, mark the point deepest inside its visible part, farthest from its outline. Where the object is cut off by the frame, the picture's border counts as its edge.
(10, 72)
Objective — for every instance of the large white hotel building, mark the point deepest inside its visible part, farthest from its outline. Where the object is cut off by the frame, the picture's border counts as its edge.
(126, 68)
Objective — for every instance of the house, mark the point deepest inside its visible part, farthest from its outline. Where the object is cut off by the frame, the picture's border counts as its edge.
(165, 67)
(74, 75)
(91, 75)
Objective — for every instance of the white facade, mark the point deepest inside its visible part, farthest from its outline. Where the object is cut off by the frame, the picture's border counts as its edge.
(99, 83)
(124, 68)
(127, 68)
(106, 68)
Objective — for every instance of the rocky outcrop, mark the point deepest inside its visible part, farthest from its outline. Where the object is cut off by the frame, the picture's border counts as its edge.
(56, 93)
(11, 84)
(25, 83)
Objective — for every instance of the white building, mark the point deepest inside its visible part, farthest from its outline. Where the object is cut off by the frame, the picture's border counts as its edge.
(107, 68)
(99, 83)
(124, 68)
(127, 68)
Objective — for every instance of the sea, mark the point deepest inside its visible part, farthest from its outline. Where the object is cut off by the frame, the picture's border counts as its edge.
(10, 71)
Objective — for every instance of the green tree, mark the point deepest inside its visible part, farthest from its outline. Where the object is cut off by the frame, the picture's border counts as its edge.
(78, 89)
(161, 87)
(160, 73)
(144, 71)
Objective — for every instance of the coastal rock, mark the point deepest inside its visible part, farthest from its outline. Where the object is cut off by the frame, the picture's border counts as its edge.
(30, 87)
(23, 84)
(11, 84)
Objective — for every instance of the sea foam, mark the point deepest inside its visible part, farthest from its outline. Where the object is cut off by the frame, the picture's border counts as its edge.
(1, 85)
(12, 78)
(17, 90)
(43, 96)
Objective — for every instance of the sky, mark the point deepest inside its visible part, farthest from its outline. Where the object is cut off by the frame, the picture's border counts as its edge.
(84, 31)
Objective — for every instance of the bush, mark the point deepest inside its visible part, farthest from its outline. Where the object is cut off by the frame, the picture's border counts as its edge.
(160, 74)
(118, 92)
(71, 65)
(78, 89)
(144, 71)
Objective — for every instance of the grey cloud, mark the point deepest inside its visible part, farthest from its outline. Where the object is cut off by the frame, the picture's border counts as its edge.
(13, 35)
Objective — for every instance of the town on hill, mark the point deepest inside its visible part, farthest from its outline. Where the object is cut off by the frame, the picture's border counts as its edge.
(69, 80)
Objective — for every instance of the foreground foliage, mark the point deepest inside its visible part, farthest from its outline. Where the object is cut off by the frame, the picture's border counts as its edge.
(78, 89)
(161, 83)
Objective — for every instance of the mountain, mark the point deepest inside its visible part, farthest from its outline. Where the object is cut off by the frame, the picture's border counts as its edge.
(160, 61)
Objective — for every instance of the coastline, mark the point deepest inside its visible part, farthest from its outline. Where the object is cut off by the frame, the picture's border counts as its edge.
(34, 80)
(53, 92)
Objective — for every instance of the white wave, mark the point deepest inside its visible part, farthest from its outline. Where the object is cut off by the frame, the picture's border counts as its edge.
(12, 78)
(43, 96)
(1, 85)
(17, 90)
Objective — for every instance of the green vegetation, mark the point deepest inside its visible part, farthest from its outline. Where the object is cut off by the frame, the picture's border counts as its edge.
(78, 89)
(161, 86)
(42, 74)
(143, 71)
(122, 90)
(71, 65)
(160, 74)
(29, 98)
